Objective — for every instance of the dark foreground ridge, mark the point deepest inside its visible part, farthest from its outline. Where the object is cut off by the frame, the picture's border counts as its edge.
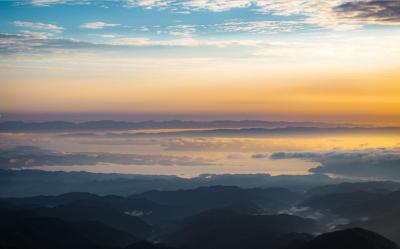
(223, 217)
(355, 238)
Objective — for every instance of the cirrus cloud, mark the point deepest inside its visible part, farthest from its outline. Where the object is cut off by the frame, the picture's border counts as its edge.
(98, 25)
(39, 26)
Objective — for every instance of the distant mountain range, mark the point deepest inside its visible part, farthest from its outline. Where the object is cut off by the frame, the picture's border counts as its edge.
(204, 198)
(225, 229)
(251, 132)
(13, 182)
(172, 124)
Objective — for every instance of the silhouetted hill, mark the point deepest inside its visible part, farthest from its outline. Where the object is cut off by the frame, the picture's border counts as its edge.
(385, 204)
(203, 198)
(51, 201)
(14, 183)
(255, 132)
(341, 203)
(386, 224)
(90, 210)
(24, 230)
(147, 245)
(172, 124)
(140, 207)
(226, 229)
(381, 215)
(246, 207)
(355, 238)
(360, 204)
(100, 234)
(377, 211)
(346, 187)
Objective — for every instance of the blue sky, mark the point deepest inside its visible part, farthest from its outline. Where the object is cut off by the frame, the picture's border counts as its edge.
(192, 22)
(119, 20)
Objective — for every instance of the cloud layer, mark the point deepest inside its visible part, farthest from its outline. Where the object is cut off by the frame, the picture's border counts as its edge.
(378, 163)
(32, 156)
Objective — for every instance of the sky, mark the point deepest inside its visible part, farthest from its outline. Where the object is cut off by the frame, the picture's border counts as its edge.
(319, 60)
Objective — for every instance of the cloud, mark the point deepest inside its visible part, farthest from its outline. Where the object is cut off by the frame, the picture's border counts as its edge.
(32, 156)
(211, 144)
(148, 3)
(235, 156)
(183, 42)
(378, 163)
(182, 30)
(293, 155)
(38, 35)
(45, 3)
(98, 25)
(39, 26)
(330, 47)
(333, 14)
(36, 43)
(374, 12)
(260, 27)
(259, 156)
(216, 5)
(131, 41)
(107, 36)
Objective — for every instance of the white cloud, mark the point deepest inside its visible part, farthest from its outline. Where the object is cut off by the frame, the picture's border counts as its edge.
(216, 5)
(144, 29)
(39, 26)
(182, 30)
(46, 2)
(185, 42)
(260, 27)
(36, 35)
(148, 3)
(106, 36)
(98, 25)
(131, 41)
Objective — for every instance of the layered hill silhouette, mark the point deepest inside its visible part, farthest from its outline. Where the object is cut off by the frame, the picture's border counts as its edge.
(88, 210)
(41, 182)
(376, 210)
(203, 198)
(355, 238)
(224, 228)
(20, 229)
(206, 218)
(172, 124)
